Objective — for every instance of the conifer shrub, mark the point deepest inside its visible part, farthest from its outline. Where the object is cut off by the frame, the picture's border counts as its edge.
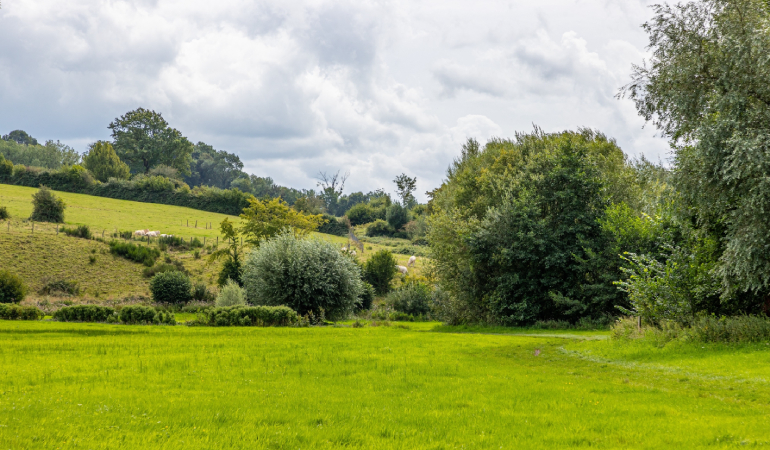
(379, 271)
(47, 207)
(12, 289)
(171, 287)
(17, 312)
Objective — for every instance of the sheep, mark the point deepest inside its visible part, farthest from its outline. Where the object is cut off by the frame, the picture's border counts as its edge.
(412, 260)
(139, 233)
(402, 269)
(166, 235)
(353, 253)
(153, 233)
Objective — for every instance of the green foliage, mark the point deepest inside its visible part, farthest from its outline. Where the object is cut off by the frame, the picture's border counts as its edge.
(134, 252)
(379, 228)
(231, 294)
(701, 329)
(397, 216)
(86, 313)
(47, 207)
(143, 139)
(704, 89)
(333, 226)
(405, 186)
(16, 312)
(231, 270)
(81, 231)
(245, 316)
(232, 254)
(60, 287)
(52, 155)
(367, 297)
(171, 287)
(102, 161)
(20, 137)
(171, 265)
(307, 275)
(263, 219)
(12, 289)
(202, 293)
(362, 213)
(6, 167)
(212, 167)
(4, 214)
(145, 315)
(379, 271)
(412, 298)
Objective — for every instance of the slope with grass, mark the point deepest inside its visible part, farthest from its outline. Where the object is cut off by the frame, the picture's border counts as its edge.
(37, 253)
(369, 388)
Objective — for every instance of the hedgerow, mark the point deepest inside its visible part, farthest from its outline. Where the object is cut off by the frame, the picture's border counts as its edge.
(133, 252)
(86, 313)
(16, 312)
(129, 315)
(244, 316)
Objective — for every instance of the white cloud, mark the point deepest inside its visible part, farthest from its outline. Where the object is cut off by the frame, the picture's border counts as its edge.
(376, 87)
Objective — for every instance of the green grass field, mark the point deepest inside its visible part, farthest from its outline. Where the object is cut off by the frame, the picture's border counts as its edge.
(40, 254)
(92, 386)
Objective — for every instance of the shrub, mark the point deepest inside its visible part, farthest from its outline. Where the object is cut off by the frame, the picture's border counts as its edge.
(397, 216)
(171, 287)
(367, 297)
(4, 213)
(307, 275)
(59, 287)
(86, 313)
(231, 295)
(231, 270)
(16, 312)
(169, 266)
(333, 226)
(360, 214)
(140, 315)
(47, 207)
(379, 270)
(412, 298)
(6, 167)
(82, 231)
(379, 228)
(102, 161)
(202, 293)
(416, 250)
(133, 252)
(12, 289)
(259, 316)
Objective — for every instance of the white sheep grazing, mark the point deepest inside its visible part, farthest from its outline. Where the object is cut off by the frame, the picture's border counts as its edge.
(402, 269)
(153, 233)
(412, 260)
(344, 249)
(353, 253)
(139, 233)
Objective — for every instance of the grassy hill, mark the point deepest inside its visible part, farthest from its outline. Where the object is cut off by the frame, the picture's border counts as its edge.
(40, 255)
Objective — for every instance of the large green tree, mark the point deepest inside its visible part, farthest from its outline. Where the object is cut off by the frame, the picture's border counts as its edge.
(102, 161)
(707, 87)
(143, 139)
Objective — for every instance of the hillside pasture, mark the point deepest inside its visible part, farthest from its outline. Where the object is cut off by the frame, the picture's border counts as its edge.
(110, 386)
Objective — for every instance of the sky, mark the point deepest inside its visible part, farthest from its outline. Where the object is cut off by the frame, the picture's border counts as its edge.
(373, 88)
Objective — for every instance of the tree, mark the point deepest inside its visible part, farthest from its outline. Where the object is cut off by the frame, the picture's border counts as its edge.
(331, 189)
(47, 207)
(263, 219)
(397, 216)
(102, 161)
(379, 271)
(212, 167)
(143, 139)
(405, 186)
(232, 253)
(707, 88)
(20, 137)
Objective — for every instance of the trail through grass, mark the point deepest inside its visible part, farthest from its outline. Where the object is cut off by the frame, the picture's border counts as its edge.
(110, 386)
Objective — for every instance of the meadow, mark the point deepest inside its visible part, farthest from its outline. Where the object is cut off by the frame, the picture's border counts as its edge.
(41, 254)
(66, 385)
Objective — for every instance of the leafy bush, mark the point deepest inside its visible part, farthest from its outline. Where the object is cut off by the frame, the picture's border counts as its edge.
(397, 216)
(412, 298)
(703, 329)
(59, 287)
(361, 213)
(307, 275)
(169, 266)
(333, 226)
(416, 250)
(202, 293)
(133, 252)
(6, 167)
(47, 207)
(12, 289)
(379, 228)
(171, 287)
(82, 231)
(231, 270)
(231, 295)
(178, 242)
(86, 313)
(379, 271)
(140, 315)
(255, 316)
(367, 297)
(16, 312)
(4, 213)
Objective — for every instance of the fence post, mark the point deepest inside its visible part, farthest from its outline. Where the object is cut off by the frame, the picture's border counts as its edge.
(196, 224)
(57, 229)
(188, 223)
(217, 236)
(204, 241)
(33, 227)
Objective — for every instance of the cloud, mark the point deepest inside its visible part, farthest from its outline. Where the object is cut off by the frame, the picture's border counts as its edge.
(376, 87)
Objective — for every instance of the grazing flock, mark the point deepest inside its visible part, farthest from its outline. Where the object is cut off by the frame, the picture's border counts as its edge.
(148, 233)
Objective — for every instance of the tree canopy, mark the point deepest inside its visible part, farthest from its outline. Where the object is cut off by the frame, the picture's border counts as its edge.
(102, 161)
(263, 219)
